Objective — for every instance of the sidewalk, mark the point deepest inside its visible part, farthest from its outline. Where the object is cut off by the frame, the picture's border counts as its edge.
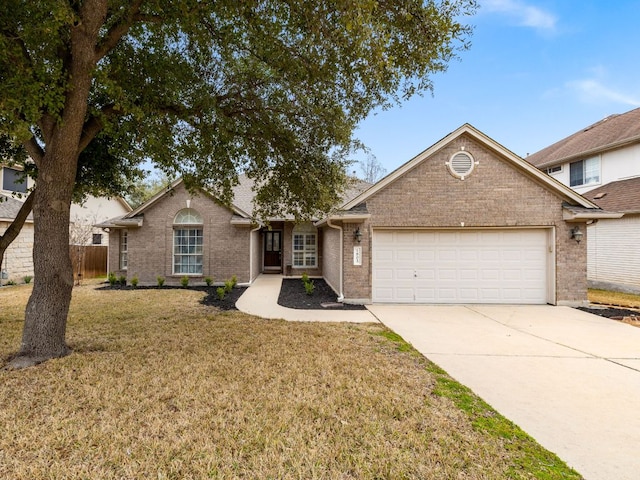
(261, 299)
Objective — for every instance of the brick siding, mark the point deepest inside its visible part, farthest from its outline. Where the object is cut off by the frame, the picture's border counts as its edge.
(495, 194)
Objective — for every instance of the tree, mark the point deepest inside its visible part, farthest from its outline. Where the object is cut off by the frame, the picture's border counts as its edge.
(371, 169)
(205, 90)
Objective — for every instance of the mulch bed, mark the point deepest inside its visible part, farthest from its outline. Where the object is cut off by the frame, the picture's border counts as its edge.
(293, 295)
(211, 299)
(610, 312)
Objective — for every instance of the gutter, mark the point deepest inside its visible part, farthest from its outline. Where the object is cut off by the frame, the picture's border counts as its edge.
(329, 224)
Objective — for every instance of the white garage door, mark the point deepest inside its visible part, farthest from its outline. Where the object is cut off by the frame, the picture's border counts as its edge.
(460, 266)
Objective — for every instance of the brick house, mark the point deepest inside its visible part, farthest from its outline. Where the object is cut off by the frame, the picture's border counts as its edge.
(465, 221)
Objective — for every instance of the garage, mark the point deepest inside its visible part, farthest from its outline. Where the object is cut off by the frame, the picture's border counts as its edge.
(499, 266)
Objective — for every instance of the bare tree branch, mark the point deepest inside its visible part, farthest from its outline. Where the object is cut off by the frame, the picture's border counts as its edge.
(14, 229)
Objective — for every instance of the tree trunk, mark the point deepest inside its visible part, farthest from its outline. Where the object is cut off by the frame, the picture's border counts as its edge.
(45, 321)
(45, 324)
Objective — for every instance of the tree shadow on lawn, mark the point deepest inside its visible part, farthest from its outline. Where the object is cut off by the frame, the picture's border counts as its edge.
(211, 298)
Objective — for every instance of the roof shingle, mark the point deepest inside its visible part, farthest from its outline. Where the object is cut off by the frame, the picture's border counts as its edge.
(620, 196)
(609, 133)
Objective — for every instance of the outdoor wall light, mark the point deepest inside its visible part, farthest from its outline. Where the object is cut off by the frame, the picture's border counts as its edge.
(576, 234)
(357, 235)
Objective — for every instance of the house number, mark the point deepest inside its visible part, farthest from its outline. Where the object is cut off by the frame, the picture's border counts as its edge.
(357, 255)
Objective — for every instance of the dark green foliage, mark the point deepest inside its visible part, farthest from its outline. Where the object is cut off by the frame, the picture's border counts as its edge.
(112, 279)
(184, 281)
(160, 280)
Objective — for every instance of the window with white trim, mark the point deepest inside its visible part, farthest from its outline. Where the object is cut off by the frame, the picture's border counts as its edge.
(13, 180)
(305, 246)
(584, 172)
(124, 249)
(187, 243)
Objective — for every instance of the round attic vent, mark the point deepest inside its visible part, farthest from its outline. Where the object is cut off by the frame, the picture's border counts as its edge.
(461, 165)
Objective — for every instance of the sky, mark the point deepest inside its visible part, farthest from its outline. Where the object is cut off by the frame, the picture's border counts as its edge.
(537, 71)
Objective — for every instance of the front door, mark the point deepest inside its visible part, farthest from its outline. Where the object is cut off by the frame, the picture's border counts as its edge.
(273, 250)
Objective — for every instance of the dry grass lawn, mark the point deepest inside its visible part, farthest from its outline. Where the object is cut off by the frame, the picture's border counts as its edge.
(607, 297)
(162, 387)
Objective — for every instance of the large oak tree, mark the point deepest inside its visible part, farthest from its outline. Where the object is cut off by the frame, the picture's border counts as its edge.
(204, 89)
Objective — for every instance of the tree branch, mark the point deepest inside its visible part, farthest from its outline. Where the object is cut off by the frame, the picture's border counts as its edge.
(94, 124)
(34, 150)
(119, 30)
(16, 226)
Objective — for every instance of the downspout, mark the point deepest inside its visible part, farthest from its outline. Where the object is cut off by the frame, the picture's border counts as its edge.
(340, 293)
(251, 252)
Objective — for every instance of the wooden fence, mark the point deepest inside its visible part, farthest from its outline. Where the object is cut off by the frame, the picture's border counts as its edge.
(89, 261)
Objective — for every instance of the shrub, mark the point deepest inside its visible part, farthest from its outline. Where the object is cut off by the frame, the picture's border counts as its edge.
(112, 279)
(160, 280)
(11, 282)
(305, 278)
(134, 281)
(234, 281)
(222, 292)
(122, 280)
(208, 281)
(184, 281)
(27, 279)
(309, 287)
(228, 286)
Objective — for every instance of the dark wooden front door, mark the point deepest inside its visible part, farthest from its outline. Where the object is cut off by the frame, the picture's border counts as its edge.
(273, 250)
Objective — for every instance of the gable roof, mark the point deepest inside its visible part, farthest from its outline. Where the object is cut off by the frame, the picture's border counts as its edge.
(9, 208)
(612, 132)
(620, 196)
(524, 166)
(242, 206)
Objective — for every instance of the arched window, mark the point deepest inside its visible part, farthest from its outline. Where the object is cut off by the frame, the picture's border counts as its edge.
(305, 246)
(187, 242)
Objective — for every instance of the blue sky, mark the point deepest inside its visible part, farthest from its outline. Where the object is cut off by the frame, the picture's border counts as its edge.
(537, 71)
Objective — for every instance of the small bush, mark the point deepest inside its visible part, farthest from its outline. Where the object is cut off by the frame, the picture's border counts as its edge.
(122, 280)
(228, 285)
(208, 281)
(222, 292)
(27, 279)
(112, 279)
(11, 282)
(305, 278)
(134, 281)
(234, 281)
(184, 281)
(160, 280)
(309, 287)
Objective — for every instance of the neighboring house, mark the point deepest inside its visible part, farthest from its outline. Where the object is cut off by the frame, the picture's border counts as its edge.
(603, 163)
(18, 258)
(18, 262)
(465, 221)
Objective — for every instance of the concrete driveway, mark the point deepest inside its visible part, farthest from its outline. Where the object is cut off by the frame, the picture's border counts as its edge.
(568, 378)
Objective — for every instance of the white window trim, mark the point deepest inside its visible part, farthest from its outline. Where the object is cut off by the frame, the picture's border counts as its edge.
(584, 161)
(188, 219)
(123, 260)
(305, 230)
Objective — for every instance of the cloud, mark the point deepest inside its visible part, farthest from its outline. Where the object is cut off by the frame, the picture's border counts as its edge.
(524, 14)
(593, 91)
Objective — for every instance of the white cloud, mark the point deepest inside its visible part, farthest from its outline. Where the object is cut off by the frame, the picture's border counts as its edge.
(593, 91)
(523, 13)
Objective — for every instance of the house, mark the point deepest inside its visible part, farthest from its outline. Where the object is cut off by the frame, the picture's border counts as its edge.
(465, 221)
(602, 162)
(18, 262)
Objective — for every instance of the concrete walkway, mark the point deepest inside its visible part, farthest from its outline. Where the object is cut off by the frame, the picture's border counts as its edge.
(568, 378)
(261, 299)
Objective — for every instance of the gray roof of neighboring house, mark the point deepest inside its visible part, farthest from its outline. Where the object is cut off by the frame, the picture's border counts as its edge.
(243, 194)
(9, 208)
(619, 196)
(612, 132)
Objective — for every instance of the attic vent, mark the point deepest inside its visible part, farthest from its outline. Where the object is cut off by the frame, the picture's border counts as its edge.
(600, 195)
(461, 165)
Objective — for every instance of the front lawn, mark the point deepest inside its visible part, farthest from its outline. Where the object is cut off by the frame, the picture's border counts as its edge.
(161, 386)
